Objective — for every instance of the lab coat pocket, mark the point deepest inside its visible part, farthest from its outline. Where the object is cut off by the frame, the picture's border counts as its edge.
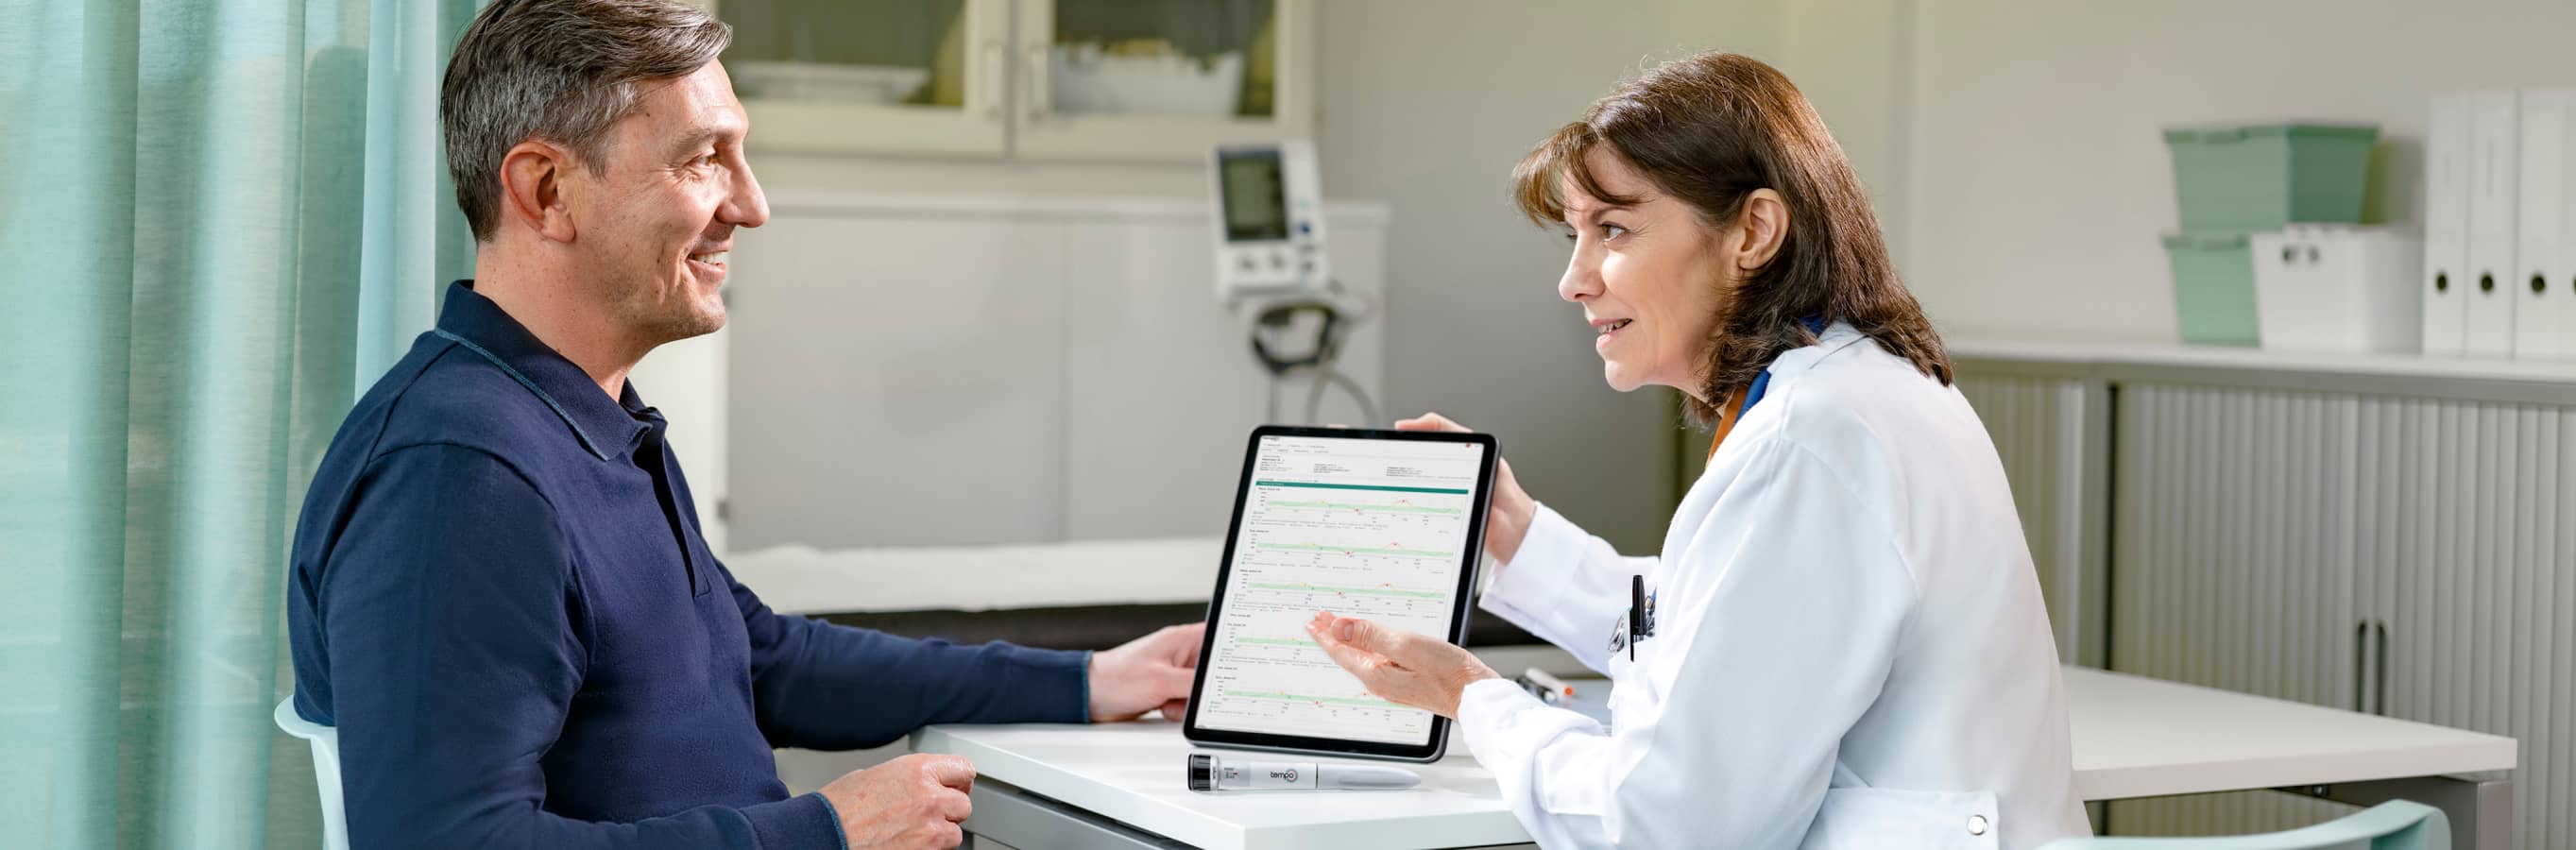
(1855, 818)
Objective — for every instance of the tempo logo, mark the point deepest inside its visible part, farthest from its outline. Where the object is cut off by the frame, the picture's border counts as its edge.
(1289, 774)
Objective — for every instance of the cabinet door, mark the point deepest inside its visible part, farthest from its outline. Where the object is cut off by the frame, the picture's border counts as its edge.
(872, 76)
(1160, 80)
(900, 380)
(1161, 387)
(2232, 523)
(2467, 562)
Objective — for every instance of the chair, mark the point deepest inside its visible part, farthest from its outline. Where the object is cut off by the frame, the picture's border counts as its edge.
(326, 770)
(2393, 825)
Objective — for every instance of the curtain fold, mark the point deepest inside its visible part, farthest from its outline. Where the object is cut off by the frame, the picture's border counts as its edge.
(224, 220)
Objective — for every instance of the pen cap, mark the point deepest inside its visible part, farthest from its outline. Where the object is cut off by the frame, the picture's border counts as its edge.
(1202, 772)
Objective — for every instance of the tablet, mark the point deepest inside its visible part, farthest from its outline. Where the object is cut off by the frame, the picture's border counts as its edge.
(1385, 525)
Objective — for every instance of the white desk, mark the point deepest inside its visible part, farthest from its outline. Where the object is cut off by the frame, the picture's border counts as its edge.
(1119, 786)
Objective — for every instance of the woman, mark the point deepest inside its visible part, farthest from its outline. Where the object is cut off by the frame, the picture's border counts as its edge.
(1846, 644)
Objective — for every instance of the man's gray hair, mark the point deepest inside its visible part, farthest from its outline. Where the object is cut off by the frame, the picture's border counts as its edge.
(561, 71)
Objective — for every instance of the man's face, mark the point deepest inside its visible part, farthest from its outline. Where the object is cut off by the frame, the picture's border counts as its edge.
(659, 219)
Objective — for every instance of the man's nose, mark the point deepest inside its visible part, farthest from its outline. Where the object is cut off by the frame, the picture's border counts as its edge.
(747, 206)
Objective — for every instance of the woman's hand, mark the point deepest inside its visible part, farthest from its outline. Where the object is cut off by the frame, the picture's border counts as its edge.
(1507, 522)
(1400, 666)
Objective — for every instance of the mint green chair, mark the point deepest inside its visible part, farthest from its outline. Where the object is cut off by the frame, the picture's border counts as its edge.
(2393, 825)
(326, 770)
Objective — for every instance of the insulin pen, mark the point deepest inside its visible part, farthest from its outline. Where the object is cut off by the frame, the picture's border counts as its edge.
(1210, 773)
(1549, 689)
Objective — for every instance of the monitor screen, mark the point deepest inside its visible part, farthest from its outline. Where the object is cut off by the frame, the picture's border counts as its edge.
(1256, 196)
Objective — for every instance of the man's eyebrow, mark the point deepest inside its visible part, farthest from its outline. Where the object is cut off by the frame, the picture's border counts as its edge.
(700, 137)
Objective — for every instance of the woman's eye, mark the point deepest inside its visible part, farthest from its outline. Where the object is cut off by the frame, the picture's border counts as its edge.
(1611, 231)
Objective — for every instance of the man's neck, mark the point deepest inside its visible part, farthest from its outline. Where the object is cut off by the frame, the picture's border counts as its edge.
(560, 318)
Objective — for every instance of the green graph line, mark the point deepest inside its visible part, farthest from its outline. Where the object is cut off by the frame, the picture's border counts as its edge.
(1312, 547)
(1257, 641)
(1289, 697)
(1361, 591)
(1373, 487)
(1394, 509)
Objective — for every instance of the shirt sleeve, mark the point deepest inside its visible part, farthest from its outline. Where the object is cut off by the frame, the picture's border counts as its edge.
(453, 625)
(1565, 586)
(826, 686)
(1778, 634)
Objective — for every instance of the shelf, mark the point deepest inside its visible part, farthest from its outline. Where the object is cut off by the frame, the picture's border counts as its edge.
(2466, 379)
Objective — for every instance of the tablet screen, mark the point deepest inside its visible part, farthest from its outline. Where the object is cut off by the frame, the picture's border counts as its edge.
(1375, 528)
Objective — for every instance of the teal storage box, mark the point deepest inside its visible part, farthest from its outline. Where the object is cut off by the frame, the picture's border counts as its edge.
(2213, 279)
(2261, 177)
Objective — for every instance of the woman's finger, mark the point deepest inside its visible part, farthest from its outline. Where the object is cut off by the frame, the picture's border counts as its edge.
(1392, 643)
(1350, 658)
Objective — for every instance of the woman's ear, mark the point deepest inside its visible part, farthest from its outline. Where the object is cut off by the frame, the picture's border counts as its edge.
(1763, 227)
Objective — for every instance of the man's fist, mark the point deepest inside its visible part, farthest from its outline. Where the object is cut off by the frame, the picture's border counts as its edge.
(912, 803)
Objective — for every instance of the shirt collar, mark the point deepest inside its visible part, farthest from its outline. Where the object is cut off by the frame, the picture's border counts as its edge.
(482, 327)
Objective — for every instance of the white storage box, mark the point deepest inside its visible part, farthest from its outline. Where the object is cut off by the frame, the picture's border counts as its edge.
(822, 83)
(1087, 80)
(2338, 288)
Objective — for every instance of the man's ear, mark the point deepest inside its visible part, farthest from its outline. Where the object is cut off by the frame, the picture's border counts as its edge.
(536, 178)
(1764, 227)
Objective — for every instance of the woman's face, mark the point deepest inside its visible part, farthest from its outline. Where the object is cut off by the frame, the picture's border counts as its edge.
(1649, 278)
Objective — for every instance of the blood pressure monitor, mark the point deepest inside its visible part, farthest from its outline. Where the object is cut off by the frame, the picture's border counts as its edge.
(1270, 223)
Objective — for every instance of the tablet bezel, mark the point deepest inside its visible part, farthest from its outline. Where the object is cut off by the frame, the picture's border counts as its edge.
(1473, 552)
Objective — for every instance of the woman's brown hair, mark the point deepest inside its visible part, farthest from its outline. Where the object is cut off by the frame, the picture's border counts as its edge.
(1709, 130)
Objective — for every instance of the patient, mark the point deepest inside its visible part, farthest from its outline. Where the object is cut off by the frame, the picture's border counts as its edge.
(500, 595)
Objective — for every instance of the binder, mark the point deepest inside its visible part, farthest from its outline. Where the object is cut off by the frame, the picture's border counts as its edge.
(2544, 278)
(2495, 137)
(2446, 225)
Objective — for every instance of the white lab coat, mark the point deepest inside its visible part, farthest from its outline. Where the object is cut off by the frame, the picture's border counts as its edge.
(1850, 651)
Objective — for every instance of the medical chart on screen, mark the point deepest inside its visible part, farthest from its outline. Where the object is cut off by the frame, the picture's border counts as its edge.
(1367, 528)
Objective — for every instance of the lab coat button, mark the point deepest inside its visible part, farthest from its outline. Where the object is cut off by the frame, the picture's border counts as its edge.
(1976, 824)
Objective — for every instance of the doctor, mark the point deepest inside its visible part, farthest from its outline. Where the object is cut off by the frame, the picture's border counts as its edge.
(1843, 643)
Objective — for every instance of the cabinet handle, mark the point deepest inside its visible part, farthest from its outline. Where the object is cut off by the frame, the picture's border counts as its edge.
(2379, 675)
(2360, 651)
(996, 78)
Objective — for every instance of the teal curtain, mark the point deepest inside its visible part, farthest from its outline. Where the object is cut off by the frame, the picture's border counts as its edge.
(222, 220)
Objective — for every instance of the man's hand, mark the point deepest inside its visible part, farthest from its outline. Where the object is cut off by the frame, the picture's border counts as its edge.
(1147, 673)
(911, 803)
(1403, 667)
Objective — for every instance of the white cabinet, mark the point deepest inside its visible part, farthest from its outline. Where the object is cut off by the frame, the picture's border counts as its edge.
(1108, 109)
(873, 76)
(1059, 80)
(913, 371)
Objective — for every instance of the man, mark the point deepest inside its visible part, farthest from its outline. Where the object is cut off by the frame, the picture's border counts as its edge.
(500, 595)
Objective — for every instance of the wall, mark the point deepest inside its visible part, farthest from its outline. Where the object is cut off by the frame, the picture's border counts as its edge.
(1427, 104)
(2032, 181)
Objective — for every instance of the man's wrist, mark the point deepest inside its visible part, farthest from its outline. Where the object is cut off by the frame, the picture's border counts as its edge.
(1090, 670)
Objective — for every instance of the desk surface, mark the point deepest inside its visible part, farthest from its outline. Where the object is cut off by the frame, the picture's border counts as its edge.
(2133, 737)
(2141, 737)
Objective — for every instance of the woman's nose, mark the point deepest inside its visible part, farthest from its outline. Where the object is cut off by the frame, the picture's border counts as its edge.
(1582, 280)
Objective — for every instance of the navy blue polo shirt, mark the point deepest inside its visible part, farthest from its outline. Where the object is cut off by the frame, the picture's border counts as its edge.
(501, 599)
